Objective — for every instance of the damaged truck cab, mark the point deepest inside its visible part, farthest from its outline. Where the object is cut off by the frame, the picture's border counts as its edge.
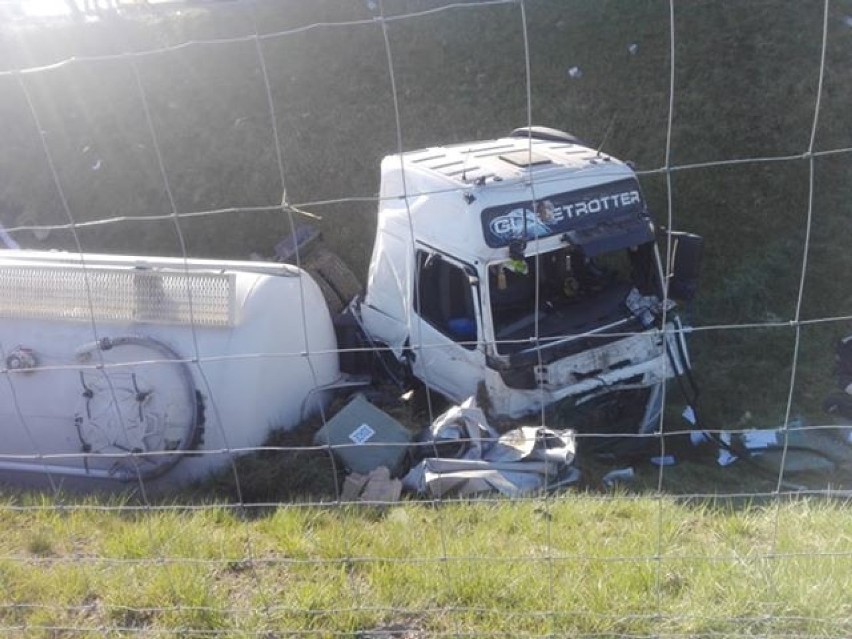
(525, 268)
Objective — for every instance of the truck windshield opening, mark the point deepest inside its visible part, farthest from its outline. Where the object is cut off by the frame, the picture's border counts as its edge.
(576, 293)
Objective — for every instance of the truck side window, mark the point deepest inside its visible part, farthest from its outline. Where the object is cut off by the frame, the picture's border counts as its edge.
(443, 297)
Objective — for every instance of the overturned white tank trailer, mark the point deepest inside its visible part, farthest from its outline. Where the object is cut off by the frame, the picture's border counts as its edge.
(526, 267)
(126, 368)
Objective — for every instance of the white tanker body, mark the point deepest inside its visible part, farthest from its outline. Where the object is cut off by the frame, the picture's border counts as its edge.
(119, 369)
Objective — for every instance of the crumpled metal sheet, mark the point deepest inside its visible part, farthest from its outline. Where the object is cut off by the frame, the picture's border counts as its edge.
(520, 461)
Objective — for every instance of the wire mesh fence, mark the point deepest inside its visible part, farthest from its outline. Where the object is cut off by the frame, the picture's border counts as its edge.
(162, 465)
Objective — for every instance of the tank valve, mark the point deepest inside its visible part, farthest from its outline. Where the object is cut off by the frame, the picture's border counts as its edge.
(21, 359)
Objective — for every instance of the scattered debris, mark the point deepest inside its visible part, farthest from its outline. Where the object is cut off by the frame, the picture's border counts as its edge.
(699, 438)
(759, 440)
(726, 457)
(664, 460)
(376, 487)
(619, 476)
(518, 462)
(799, 448)
(633, 48)
(794, 445)
(364, 438)
(458, 433)
(575, 73)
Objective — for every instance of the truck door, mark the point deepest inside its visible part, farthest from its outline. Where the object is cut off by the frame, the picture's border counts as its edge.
(446, 331)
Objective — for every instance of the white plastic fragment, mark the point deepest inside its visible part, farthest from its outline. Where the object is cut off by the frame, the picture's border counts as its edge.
(726, 457)
(755, 440)
(633, 48)
(698, 437)
(575, 73)
(664, 460)
(619, 475)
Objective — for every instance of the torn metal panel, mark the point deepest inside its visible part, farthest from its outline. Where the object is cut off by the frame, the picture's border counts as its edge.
(523, 460)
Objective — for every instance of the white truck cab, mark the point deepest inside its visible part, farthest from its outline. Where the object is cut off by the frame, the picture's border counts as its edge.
(524, 267)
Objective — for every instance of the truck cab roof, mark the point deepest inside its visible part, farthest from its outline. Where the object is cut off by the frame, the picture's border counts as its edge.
(510, 159)
(450, 196)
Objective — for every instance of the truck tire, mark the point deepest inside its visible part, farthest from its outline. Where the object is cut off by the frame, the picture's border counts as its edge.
(338, 283)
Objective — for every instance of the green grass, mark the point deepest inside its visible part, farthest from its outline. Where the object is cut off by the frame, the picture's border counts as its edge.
(573, 565)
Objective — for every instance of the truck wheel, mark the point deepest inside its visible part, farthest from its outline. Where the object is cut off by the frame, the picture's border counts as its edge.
(338, 283)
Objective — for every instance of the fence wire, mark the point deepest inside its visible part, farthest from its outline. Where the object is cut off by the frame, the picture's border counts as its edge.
(681, 544)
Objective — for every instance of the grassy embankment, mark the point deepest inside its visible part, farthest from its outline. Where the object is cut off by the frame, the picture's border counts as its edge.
(745, 86)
